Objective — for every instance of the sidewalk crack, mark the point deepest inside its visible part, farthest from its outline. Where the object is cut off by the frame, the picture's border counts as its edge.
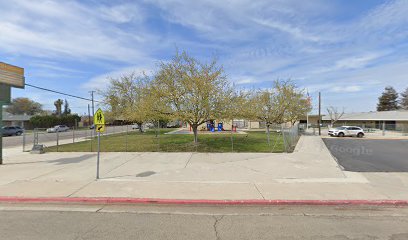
(189, 159)
(47, 173)
(120, 165)
(84, 186)
(217, 221)
(256, 187)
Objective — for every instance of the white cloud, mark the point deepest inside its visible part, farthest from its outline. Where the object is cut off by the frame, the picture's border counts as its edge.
(100, 82)
(68, 29)
(345, 89)
(124, 13)
(295, 32)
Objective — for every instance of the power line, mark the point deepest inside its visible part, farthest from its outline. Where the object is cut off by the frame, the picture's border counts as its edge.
(66, 94)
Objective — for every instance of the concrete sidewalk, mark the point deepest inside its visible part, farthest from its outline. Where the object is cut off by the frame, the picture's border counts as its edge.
(309, 173)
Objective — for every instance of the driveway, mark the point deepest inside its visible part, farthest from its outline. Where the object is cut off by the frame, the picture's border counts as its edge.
(365, 155)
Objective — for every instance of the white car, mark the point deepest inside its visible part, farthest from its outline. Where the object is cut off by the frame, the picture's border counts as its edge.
(58, 128)
(347, 131)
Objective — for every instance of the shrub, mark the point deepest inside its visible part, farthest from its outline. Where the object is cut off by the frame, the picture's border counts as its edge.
(52, 120)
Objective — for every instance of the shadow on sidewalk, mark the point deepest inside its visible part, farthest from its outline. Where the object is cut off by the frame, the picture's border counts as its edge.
(62, 161)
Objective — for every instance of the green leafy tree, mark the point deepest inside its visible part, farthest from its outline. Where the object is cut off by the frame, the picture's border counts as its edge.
(67, 110)
(281, 104)
(58, 107)
(404, 100)
(388, 101)
(24, 106)
(128, 98)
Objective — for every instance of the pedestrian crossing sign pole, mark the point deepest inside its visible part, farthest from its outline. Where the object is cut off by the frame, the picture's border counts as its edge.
(99, 121)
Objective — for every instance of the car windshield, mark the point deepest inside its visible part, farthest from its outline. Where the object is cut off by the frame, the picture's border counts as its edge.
(340, 128)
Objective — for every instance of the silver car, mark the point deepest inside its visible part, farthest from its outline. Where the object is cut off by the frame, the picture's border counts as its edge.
(58, 128)
(347, 131)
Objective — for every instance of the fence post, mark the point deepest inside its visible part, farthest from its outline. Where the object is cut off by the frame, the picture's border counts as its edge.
(34, 133)
(91, 131)
(73, 134)
(24, 140)
(158, 135)
(232, 137)
(57, 140)
(284, 140)
(126, 137)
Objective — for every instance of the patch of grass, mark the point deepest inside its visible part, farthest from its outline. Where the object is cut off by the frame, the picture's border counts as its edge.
(152, 142)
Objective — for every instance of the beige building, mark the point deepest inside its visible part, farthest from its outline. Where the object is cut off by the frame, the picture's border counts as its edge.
(16, 120)
(389, 120)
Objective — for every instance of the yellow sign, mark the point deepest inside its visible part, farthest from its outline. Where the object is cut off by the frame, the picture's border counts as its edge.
(99, 118)
(100, 128)
(12, 75)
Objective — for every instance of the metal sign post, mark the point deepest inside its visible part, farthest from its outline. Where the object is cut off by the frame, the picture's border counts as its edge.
(1, 132)
(97, 161)
(99, 121)
(10, 76)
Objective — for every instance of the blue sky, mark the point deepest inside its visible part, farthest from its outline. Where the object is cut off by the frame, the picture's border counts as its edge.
(349, 50)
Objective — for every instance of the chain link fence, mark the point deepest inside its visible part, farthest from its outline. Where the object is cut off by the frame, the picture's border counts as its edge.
(290, 137)
(52, 140)
(153, 138)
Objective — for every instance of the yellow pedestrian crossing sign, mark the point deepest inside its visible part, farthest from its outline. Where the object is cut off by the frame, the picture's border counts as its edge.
(100, 128)
(99, 118)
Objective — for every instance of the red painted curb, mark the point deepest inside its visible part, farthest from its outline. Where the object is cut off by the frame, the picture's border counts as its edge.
(105, 200)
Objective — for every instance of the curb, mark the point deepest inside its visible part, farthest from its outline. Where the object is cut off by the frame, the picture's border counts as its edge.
(105, 200)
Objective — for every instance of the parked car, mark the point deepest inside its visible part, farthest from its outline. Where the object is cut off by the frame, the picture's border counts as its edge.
(12, 131)
(92, 126)
(135, 126)
(347, 131)
(58, 128)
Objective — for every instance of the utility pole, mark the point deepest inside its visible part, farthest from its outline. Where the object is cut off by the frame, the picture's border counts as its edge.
(320, 115)
(93, 106)
(89, 116)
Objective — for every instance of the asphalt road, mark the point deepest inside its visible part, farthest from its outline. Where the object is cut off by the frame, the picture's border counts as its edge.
(189, 222)
(364, 155)
(17, 141)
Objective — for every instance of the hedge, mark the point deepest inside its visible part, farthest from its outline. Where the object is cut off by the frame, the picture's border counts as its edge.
(52, 120)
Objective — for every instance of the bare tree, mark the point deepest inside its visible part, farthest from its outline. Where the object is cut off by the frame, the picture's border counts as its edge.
(334, 114)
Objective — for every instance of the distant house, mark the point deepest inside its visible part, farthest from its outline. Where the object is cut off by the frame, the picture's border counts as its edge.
(16, 120)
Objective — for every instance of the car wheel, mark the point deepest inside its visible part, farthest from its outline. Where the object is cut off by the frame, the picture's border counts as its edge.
(19, 133)
(340, 134)
(360, 135)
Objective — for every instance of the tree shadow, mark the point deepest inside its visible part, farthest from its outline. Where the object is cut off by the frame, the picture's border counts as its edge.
(71, 160)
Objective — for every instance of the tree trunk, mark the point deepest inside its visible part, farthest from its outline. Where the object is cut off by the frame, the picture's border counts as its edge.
(140, 127)
(268, 134)
(232, 138)
(195, 131)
